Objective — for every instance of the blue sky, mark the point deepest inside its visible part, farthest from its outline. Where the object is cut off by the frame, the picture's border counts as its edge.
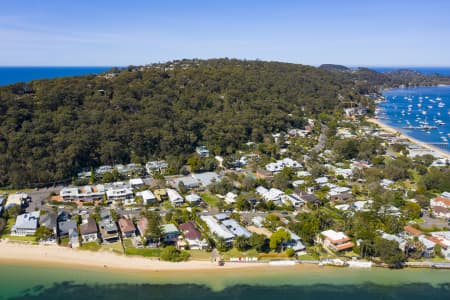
(119, 33)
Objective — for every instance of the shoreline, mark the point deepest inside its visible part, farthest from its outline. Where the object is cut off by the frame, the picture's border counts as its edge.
(56, 255)
(391, 129)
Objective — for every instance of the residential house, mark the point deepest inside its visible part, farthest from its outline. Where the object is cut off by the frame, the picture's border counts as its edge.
(49, 220)
(119, 192)
(218, 229)
(170, 233)
(88, 193)
(279, 165)
(108, 231)
(147, 197)
(127, 228)
(161, 195)
(188, 182)
(335, 241)
(440, 207)
(174, 197)
(193, 199)
(64, 227)
(26, 224)
(321, 181)
(159, 166)
(192, 236)
(142, 226)
(274, 195)
(74, 239)
(263, 174)
(235, 228)
(202, 151)
(308, 197)
(293, 200)
(206, 178)
(230, 197)
(17, 199)
(345, 173)
(89, 231)
(136, 183)
(295, 243)
(441, 212)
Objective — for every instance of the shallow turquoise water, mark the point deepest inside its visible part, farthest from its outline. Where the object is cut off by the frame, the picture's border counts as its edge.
(21, 281)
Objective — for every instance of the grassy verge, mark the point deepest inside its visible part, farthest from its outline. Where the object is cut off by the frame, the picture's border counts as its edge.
(92, 246)
(145, 252)
(210, 199)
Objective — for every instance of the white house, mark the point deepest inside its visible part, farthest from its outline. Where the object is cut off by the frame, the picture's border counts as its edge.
(26, 224)
(230, 197)
(273, 194)
(193, 198)
(174, 197)
(147, 196)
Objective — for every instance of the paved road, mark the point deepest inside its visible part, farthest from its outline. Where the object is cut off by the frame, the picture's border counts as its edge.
(430, 223)
(38, 197)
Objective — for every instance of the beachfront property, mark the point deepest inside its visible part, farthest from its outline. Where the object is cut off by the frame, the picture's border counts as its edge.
(219, 230)
(127, 228)
(26, 224)
(235, 228)
(88, 193)
(169, 234)
(50, 221)
(65, 227)
(192, 237)
(295, 243)
(335, 241)
(89, 231)
(109, 232)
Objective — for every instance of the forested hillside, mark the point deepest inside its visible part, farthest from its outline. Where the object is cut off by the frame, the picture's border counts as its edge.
(50, 129)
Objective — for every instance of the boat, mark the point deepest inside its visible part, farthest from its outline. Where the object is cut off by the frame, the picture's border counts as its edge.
(441, 104)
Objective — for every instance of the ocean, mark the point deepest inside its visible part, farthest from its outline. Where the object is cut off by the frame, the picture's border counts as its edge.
(9, 75)
(425, 70)
(422, 113)
(28, 281)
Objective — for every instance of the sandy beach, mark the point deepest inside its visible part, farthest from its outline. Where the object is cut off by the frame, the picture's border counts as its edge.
(390, 129)
(52, 254)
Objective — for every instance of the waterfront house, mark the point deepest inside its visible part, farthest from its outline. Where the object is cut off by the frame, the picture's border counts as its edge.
(26, 224)
(49, 220)
(64, 227)
(235, 228)
(169, 234)
(127, 228)
(335, 241)
(295, 243)
(192, 236)
(108, 231)
(218, 229)
(89, 231)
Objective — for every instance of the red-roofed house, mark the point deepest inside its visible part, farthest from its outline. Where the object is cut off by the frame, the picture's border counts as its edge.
(411, 230)
(335, 241)
(192, 236)
(440, 201)
(127, 227)
(441, 212)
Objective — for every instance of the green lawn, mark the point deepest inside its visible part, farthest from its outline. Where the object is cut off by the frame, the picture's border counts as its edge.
(115, 247)
(92, 246)
(146, 252)
(200, 255)
(210, 199)
(236, 253)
